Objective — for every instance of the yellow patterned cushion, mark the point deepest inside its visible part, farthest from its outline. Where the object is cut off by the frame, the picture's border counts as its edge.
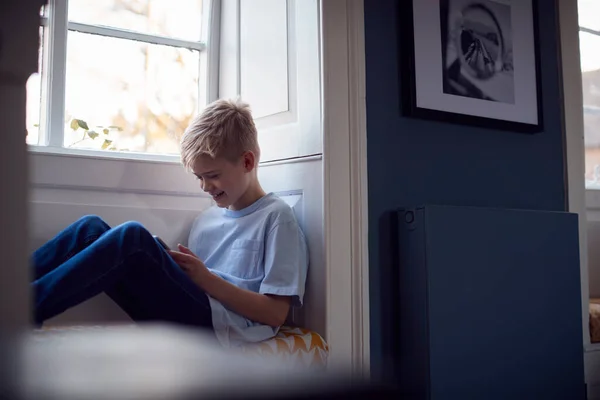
(299, 347)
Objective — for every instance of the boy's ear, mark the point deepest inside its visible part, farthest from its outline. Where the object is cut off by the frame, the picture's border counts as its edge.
(249, 161)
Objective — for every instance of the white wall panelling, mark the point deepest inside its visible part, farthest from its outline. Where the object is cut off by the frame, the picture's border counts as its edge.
(305, 178)
(269, 54)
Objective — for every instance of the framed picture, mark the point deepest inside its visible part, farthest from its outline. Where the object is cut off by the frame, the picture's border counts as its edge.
(472, 62)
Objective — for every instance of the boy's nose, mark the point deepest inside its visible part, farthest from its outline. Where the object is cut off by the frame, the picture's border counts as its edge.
(206, 187)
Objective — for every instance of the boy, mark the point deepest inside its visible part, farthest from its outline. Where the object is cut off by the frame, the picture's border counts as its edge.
(247, 258)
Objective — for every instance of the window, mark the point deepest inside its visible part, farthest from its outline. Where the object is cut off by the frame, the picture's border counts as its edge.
(589, 40)
(117, 75)
(124, 77)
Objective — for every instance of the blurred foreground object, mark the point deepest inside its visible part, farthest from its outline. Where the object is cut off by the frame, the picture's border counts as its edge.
(19, 41)
(161, 362)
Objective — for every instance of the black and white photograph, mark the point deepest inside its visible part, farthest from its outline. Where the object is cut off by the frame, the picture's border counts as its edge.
(471, 62)
(478, 59)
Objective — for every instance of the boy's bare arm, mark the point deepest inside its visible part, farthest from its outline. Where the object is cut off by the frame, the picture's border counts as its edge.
(267, 309)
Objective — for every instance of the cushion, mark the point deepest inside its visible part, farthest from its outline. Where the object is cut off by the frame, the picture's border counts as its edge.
(297, 347)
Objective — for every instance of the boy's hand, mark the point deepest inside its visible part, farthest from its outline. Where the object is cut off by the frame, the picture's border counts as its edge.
(189, 263)
(265, 308)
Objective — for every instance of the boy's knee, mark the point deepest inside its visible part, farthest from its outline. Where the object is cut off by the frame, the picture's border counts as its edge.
(93, 220)
(134, 228)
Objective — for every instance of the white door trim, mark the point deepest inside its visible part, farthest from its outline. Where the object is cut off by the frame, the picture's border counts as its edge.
(574, 143)
(345, 183)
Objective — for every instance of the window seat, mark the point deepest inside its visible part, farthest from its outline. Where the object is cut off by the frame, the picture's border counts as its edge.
(293, 346)
(301, 347)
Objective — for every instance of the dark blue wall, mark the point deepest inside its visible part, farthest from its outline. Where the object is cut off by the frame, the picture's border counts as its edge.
(417, 162)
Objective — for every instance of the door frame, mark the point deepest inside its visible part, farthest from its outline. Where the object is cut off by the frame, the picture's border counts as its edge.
(345, 184)
(574, 152)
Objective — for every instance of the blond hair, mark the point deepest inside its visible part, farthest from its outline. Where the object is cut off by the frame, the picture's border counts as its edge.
(224, 129)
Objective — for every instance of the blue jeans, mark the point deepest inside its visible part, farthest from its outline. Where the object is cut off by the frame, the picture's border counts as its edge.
(126, 263)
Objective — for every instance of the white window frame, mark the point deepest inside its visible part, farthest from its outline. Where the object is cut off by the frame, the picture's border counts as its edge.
(54, 166)
(574, 142)
(594, 198)
(49, 162)
(345, 185)
(57, 26)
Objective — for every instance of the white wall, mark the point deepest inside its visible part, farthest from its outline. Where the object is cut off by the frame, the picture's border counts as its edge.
(592, 378)
(305, 177)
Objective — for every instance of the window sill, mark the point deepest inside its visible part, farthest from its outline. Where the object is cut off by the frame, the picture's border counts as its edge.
(104, 155)
(592, 198)
(592, 347)
(57, 168)
(116, 172)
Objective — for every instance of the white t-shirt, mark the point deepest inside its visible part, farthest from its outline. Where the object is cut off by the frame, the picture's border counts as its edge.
(259, 248)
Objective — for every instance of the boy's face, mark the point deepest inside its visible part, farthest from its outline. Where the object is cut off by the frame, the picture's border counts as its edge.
(225, 181)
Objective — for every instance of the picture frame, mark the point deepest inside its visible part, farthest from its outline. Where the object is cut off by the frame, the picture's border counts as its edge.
(460, 63)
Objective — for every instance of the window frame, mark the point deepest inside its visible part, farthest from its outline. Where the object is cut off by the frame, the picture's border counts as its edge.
(56, 27)
(590, 185)
(574, 151)
(52, 166)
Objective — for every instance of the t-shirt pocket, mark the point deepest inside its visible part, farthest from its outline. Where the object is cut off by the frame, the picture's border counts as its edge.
(245, 257)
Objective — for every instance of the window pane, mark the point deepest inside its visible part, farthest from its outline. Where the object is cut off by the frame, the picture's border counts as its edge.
(132, 96)
(181, 18)
(588, 13)
(590, 66)
(34, 99)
